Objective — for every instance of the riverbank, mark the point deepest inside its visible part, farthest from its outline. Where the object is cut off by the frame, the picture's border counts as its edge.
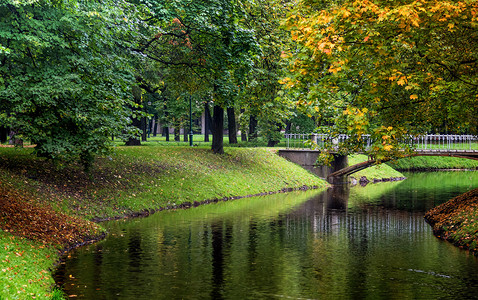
(373, 174)
(456, 221)
(47, 208)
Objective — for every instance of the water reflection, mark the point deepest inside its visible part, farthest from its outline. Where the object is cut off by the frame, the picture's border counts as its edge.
(344, 243)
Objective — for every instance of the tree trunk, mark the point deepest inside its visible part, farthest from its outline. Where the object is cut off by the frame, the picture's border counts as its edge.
(155, 126)
(288, 126)
(3, 134)
(208, 121)
(144, 129)
(177, 137)
(185, 134)
(231, 124)
(166, 133)
(252, 128)
(134, 141)
(218, 130)
(243, 129)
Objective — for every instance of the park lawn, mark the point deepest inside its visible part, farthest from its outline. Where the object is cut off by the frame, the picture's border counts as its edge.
(48, 207)
(424, 163)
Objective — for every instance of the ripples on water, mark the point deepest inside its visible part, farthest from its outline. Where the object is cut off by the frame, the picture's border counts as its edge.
(346, 243)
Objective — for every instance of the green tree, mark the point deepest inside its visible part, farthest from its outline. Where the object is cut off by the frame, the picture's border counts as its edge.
(208, 39)
(262, 98)
(65, 75)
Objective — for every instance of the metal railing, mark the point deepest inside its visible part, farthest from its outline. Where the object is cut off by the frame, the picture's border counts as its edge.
(421, 143)
(445, 142)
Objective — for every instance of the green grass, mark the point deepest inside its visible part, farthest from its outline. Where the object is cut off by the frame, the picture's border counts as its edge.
(198, 140)
(374, 172)
(149, 177)
(24, 268)
(433, 163)
(132, 179)
(184, 174)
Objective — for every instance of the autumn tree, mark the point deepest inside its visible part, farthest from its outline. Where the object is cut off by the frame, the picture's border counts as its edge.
(386, 68)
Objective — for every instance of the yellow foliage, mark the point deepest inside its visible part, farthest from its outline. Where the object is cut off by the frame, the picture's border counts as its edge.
(402, 80)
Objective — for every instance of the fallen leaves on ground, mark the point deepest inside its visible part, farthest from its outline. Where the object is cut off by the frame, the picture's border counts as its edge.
(24, 217)
(455, 220)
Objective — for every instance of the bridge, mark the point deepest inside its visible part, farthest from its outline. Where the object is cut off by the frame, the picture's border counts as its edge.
(299, 150)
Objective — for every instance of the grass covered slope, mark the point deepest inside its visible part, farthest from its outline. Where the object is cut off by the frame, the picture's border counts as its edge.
(425, 163)
(46, 207)
(150, 177)
(455, 221)
(377, 172)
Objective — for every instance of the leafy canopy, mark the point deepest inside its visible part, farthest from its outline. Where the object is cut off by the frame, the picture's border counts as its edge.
(386, 68)
(65, 75)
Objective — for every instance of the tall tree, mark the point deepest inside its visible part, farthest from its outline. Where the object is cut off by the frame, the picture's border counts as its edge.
(387, 68)
(208, 39)
(65, 76)
(231, 124)
(266, 105)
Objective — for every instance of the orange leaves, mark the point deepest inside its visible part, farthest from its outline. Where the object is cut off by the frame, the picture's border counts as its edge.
(41, 223)
(453, 220)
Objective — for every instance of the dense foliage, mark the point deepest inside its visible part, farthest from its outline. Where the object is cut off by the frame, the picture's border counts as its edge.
(386, 68)
(65, 79)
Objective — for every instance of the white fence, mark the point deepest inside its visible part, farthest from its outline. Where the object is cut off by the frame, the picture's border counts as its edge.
(429, 142)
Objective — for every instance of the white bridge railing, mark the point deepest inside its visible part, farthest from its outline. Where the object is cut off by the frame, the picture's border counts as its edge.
(421, 143)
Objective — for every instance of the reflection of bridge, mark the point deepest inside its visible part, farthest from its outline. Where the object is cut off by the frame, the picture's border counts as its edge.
(464, 146)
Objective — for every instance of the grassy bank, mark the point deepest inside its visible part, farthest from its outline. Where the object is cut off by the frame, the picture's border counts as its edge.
(46, 207)
(427, 163)
(456, 221)
(378, 172)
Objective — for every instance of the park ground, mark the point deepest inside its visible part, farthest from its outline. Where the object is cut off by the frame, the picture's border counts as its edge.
(46, 208)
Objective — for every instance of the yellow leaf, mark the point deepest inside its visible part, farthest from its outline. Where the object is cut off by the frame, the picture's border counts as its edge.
(387, 147)
(334, 70)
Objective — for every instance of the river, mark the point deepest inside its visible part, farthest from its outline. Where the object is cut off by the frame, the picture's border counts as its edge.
(345, 243)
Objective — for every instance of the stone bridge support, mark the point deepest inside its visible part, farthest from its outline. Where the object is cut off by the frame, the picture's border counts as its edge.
(308, 159)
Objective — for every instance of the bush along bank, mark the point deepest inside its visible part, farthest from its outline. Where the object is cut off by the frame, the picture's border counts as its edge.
(456, 221)
(47, 208)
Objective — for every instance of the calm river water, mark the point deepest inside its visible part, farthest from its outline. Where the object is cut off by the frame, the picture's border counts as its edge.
(346, 243)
